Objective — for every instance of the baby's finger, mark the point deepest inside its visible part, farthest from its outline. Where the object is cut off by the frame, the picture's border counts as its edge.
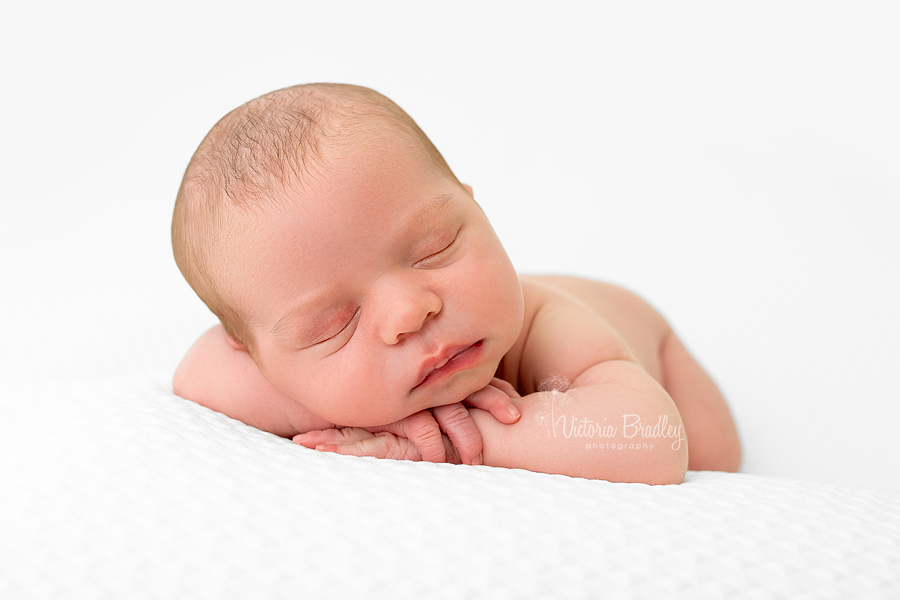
(382, 445)
(496, 402)
(452, 452)
(345, 435)
(505, 387)
(423, 431)
(456, 422)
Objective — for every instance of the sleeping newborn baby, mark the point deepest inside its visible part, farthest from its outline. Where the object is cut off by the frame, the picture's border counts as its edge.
(367, 307)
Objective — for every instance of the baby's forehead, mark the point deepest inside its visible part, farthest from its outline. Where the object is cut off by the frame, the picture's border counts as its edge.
(381, 173)
(323, 245)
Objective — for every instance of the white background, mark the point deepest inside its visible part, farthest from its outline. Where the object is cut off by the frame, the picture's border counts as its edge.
(736, 165)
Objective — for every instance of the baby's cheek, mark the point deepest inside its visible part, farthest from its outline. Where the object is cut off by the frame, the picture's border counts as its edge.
(348, 390)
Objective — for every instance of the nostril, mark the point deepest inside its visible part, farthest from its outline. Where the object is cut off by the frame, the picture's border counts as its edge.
(407, 313)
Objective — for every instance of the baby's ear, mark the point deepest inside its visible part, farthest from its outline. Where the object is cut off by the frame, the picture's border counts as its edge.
(236, 345)
(469, 189)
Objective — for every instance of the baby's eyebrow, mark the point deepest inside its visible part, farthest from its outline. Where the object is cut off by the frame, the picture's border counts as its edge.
(439, 203)
(298, 309)
(429, 208)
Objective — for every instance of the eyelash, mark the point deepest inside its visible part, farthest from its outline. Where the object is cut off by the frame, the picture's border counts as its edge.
(447, 247)
(344, 328)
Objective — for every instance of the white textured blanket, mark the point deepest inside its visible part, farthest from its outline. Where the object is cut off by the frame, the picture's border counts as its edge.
(123, 490)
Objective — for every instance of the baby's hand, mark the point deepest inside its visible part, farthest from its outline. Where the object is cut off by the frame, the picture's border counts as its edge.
(356, 441)
(418, 436)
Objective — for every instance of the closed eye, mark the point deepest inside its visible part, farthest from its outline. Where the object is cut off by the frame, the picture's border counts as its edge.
(443, 250)
(343, 329)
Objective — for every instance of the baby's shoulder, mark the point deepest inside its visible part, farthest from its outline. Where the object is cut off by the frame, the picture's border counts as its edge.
(573, 323)
(606, 299)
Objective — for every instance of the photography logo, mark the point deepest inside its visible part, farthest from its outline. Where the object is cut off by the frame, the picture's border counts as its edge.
(556, 413)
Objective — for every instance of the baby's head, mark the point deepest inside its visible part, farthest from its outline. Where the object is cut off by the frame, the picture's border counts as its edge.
(338, 249)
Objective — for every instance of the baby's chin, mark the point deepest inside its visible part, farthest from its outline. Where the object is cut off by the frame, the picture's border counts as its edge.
(459, 388)
(464, 391)
(404, 410)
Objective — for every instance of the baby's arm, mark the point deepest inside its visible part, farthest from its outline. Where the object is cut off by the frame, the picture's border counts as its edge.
(609, 418)
(615, 423)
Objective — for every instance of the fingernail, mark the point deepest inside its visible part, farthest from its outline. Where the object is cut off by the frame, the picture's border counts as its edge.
(323, 447)
(514, 411)
(477, 460)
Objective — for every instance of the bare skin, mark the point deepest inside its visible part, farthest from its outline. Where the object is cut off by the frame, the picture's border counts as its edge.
(711, 433)
(636, 329)
(363, 285)
(709, 429)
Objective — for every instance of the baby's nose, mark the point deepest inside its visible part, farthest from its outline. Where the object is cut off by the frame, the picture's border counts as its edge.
(405, 310)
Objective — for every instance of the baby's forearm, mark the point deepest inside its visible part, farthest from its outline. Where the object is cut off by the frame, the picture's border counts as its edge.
(615, 423)
(226, 380)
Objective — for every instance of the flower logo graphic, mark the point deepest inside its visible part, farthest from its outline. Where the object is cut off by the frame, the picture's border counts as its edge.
(553, 396)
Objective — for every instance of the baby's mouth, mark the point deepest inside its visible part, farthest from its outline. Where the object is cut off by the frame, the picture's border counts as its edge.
(458, 360)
